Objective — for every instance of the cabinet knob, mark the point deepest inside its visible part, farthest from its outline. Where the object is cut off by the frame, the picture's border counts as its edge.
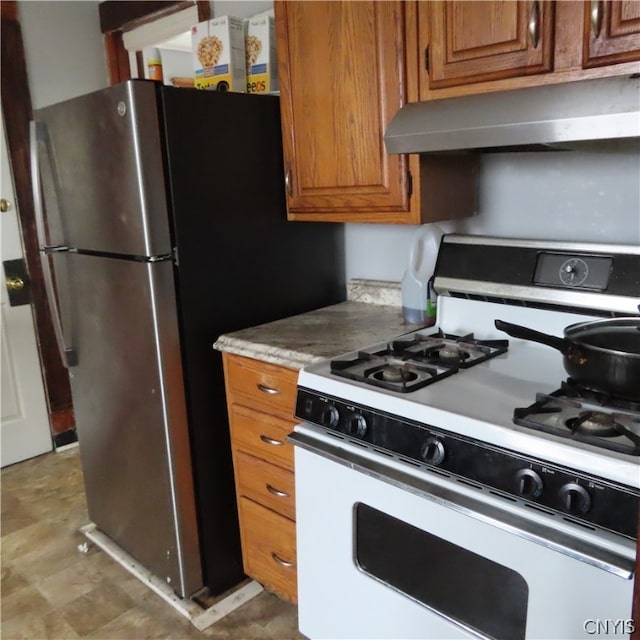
(4, 205)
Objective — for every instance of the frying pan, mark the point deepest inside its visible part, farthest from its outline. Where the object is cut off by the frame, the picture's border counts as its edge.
(603, 355)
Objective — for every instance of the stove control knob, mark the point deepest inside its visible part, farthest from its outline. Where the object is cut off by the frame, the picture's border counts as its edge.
(432, 451)
(330, 417)
(574, 498)
(358, 425)
(528, 483)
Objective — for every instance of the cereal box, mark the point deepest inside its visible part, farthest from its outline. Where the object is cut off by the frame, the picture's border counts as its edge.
(218, 54)
(262, 68)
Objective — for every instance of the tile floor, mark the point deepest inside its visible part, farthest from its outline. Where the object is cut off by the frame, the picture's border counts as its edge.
(52, 590)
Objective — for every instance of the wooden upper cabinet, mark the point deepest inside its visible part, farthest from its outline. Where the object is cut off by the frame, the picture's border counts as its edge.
(475, 47)
(480, 41)
(611, 32)
(341, 67)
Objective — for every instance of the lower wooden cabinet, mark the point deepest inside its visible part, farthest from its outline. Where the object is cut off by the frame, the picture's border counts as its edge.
(260, 401)
(270, 485)
(268, 548)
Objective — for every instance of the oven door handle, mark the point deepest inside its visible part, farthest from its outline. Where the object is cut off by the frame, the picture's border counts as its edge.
(534, 531)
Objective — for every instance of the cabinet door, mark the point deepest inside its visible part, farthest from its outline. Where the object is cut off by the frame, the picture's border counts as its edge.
(481, 41)
(341, 68)
(611, 32)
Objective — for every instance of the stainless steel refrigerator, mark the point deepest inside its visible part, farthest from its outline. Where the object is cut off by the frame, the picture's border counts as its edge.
(162, 225)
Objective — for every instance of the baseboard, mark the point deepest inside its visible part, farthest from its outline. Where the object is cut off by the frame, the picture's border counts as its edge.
(65, 439)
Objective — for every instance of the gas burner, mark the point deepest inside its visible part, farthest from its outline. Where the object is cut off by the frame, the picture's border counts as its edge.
(595, 423)
(395, 373)
(568, 414)
(452, 352)
(389, 372)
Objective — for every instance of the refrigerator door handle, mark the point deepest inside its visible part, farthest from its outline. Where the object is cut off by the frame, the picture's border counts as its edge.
(67, 354)
(38, 134)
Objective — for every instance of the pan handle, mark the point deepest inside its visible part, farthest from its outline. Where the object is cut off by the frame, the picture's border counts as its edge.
(524, 333)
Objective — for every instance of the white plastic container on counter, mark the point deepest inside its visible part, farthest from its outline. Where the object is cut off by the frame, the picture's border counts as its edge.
(418, 297)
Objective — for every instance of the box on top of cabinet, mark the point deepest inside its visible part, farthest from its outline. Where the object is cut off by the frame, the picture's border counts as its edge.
(262, 69)
(219, 55)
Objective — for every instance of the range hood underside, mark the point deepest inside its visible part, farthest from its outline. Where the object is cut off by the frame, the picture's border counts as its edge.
(602, 114)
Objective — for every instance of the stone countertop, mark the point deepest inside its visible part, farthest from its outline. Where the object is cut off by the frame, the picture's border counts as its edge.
(371, 314)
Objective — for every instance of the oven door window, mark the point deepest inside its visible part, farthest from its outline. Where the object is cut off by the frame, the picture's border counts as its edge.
(463, 586)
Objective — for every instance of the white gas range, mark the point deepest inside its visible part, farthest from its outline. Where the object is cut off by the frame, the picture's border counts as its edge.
(454, 482)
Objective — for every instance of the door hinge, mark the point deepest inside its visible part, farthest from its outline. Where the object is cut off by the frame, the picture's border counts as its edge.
(409, 184)
(426, 58)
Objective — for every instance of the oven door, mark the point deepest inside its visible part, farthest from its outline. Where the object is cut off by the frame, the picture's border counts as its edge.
(389, 553)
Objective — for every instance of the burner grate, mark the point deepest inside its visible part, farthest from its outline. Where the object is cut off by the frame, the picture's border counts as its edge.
(408, 364)
(388, 373)
(448, 349)
(583, 419)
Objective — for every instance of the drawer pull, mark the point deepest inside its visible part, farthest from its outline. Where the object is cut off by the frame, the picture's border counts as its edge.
(276, 492)
(280, 561)
(270, 390)
(268, 440)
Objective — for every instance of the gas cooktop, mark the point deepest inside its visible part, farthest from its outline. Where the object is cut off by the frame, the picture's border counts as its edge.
(410, 363)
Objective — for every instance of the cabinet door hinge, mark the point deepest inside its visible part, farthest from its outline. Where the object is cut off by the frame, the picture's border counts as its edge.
(426, 59)
(409, 184)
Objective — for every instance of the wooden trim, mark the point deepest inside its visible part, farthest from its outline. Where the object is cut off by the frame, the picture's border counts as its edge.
(9, 10)
(63, 420)
(117, 58)
(116, 17)
(17, 112)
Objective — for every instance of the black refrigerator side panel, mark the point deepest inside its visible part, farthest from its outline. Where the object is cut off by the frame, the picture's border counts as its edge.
(240, 264)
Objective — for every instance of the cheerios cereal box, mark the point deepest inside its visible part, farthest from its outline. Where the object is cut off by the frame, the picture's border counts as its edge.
(262, 67)
(218, 54)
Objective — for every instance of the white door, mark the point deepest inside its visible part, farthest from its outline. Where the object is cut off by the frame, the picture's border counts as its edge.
(25, 430)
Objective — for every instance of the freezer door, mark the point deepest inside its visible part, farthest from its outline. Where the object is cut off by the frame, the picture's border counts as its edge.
(128, 396)
(101, 168)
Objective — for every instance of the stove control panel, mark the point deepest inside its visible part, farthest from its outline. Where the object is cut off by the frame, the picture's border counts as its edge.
(555, 490)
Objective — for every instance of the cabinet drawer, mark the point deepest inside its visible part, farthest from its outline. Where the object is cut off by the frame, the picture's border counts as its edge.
(265, 483)
(269, 548)
(261, 385)
(261, 435)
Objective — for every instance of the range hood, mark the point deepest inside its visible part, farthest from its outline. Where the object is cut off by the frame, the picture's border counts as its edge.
(571, 115)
